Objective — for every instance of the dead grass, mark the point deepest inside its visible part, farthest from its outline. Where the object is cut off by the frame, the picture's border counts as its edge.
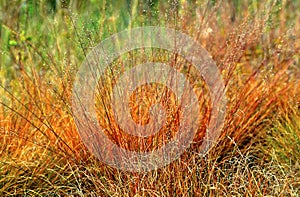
(256, 155)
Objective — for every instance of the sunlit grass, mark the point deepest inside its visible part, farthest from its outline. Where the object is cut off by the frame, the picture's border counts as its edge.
(256, 47)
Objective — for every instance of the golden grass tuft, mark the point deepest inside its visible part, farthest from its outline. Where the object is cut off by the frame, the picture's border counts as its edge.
(256, 154)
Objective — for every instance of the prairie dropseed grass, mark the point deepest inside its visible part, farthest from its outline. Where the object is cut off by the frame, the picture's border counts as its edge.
(255, 46)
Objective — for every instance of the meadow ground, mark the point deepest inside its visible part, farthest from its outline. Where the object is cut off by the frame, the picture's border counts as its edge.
(255, 45)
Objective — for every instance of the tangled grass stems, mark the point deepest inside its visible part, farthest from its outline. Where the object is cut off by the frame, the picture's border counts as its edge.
(257, 152)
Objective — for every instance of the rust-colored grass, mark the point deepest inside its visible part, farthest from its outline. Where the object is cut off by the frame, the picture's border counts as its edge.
(256, 49)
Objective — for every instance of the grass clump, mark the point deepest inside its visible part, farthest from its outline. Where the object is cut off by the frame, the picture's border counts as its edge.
(255, 46)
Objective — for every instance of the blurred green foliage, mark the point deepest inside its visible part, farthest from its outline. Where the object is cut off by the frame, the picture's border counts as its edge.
(43, 33)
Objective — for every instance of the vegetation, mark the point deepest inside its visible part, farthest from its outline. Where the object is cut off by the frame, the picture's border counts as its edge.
(255, 45)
